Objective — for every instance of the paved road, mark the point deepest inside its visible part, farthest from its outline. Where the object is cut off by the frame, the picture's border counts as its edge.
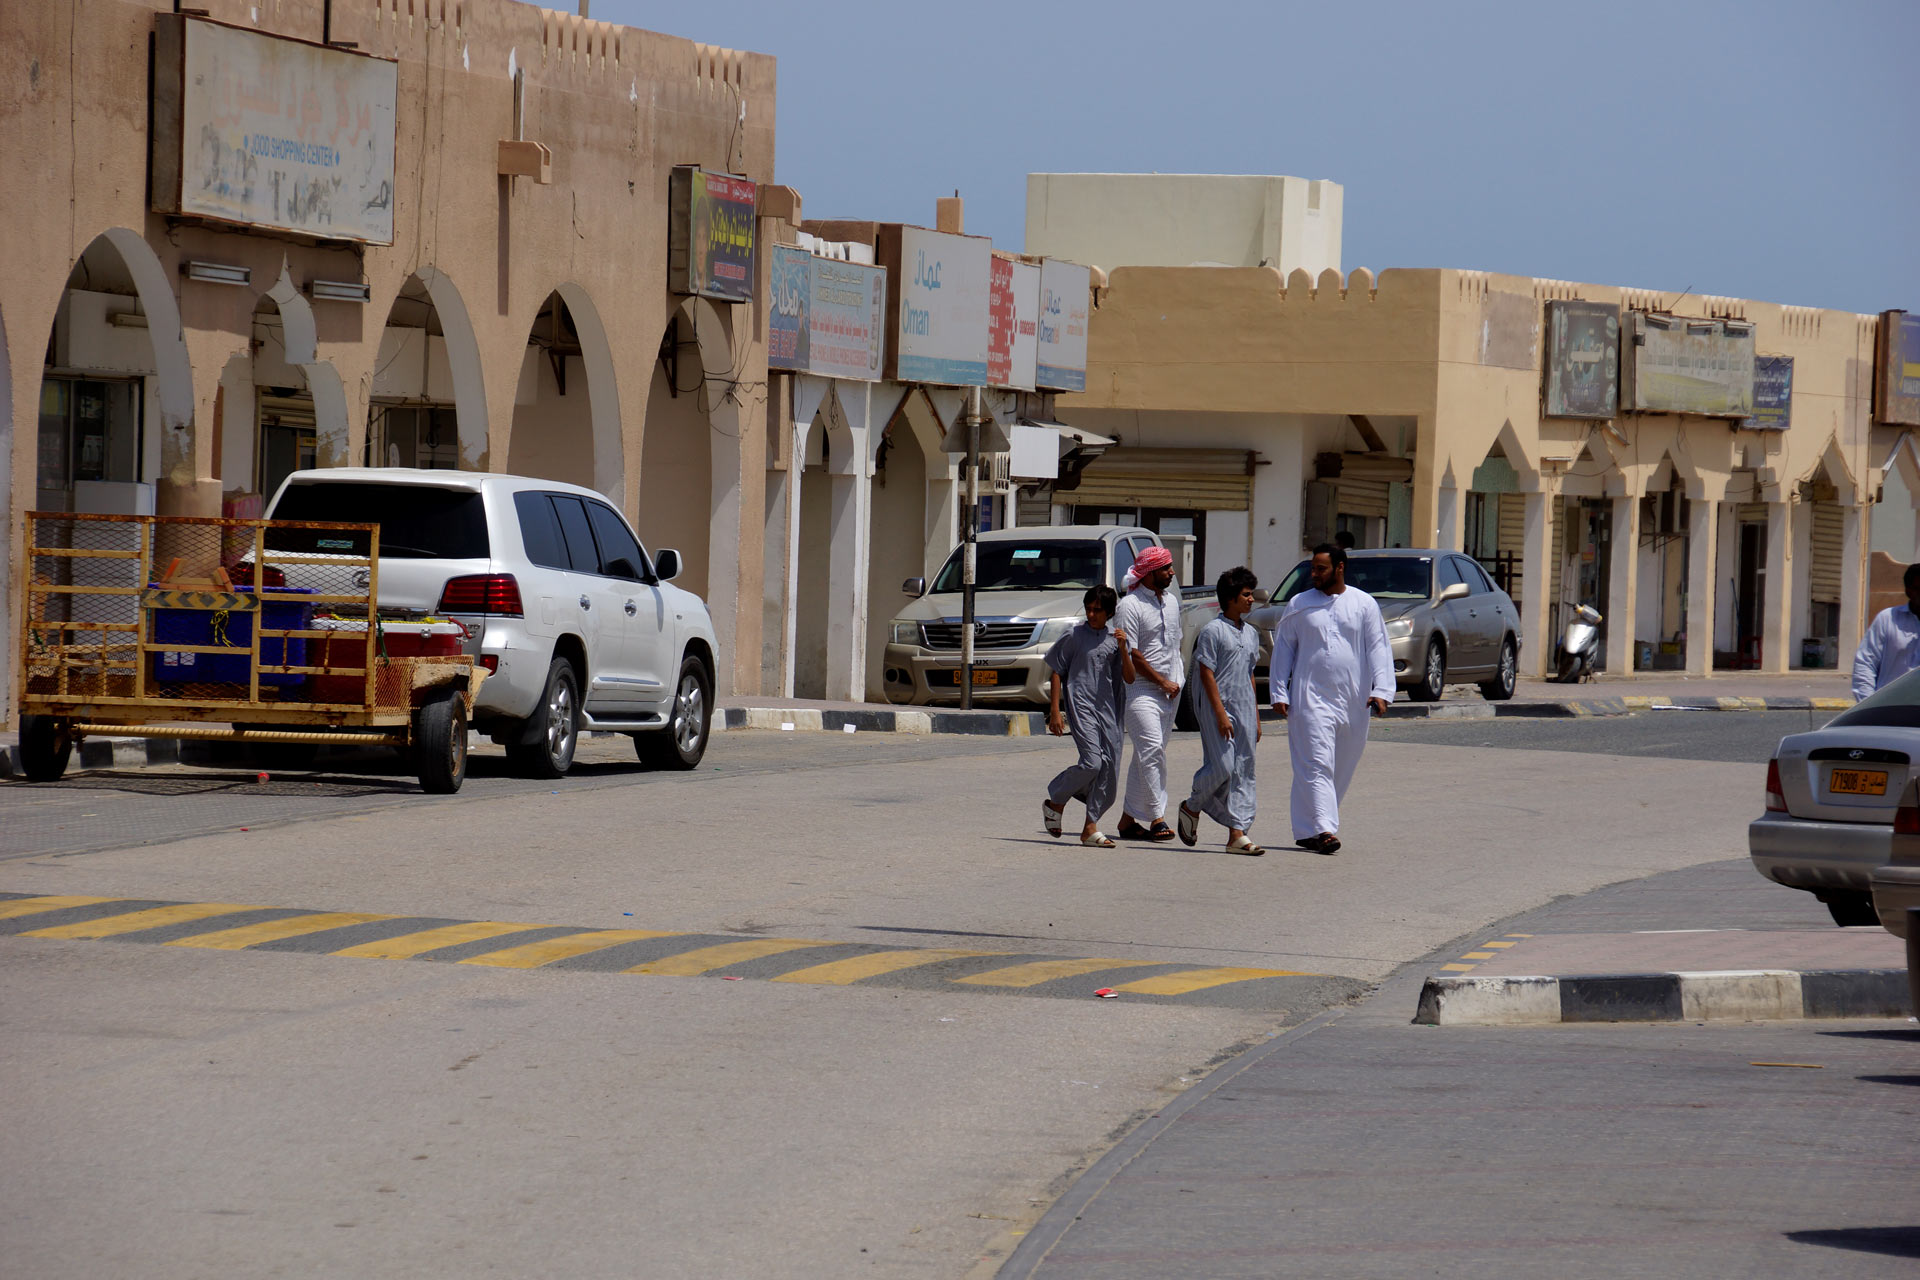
(284, 1108)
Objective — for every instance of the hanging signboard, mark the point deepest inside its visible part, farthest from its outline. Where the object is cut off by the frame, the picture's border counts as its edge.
(1675, 364)
(1772, 394)
(1013, 345)
(846, 320)
(1066, 289)
(941, 287)
(271, 133)
(710, 219)
(1896, 382)
(790, 286)
(1583, 360)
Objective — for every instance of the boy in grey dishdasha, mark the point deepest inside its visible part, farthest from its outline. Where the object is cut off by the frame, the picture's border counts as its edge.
(1094, 663)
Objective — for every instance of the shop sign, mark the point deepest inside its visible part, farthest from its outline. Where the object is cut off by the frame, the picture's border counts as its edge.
(1772, 394)
(944, 283)
(1583, 360)
(271, 133)
(846, 320)
(710, 220)
(1683, 365)
(1066, 289)
(790, 286)
(1013, 344)
(1896, 393)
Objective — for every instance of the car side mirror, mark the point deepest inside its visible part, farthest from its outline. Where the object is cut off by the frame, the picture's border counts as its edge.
(666, 564)
(1261, 595)
(621, 567)
(915, 587)
(1456, 591)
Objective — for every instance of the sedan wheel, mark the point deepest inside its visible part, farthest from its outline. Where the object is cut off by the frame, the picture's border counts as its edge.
(1500, 688)
(1433, 676)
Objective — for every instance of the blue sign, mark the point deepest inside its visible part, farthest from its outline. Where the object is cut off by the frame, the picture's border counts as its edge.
(791, 288)
(1772, 394)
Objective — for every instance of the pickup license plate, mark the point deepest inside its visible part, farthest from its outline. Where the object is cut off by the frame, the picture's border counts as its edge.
(981, 676)
(1857, 782)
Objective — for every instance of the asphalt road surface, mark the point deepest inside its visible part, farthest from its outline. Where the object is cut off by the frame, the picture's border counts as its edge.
(380, 1033)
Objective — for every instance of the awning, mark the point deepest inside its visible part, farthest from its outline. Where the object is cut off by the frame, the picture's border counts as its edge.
(1044, 450)
(1193, 479)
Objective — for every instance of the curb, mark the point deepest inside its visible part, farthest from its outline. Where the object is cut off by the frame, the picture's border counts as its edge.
(991, 724)
(1741, 995)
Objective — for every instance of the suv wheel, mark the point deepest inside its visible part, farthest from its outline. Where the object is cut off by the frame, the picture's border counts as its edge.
(1433, 676)
(688, 723)
(545, 748)
(1500, 688)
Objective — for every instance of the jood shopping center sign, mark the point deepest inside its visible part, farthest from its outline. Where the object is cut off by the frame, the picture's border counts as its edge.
(271, 133)
(826, 317)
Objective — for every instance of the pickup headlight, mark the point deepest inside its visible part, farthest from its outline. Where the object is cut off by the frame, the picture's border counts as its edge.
(1055, 629)
(1400, 628)
(906, 632)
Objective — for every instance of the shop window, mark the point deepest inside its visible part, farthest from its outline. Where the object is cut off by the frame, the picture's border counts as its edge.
(89, 434)
(414, 436)
(284, 449)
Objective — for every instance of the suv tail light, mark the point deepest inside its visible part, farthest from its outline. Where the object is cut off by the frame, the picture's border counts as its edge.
(1776, 798)
(495, 593)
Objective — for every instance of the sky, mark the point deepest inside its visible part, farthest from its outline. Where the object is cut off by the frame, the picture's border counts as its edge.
(1747, 149)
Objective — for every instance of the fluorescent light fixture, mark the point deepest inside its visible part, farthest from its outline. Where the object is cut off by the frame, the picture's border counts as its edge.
(339, 290)
(216, 272)
(128, 320)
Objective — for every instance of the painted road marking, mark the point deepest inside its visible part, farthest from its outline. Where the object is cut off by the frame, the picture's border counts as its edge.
(409, 945)
(252, 935)
(535, 954)
(1478, 955)
(839, 973)
(1030, 975)
(690, 964)
(1179, 984)
(1492, 950)
(134, 921)
(1456, 968)
(34, 906)
(1498, 944)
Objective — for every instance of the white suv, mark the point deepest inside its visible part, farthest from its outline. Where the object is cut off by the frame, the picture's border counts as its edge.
(578, 627)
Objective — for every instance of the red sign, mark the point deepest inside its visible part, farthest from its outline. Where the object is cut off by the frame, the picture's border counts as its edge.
(1000, 322)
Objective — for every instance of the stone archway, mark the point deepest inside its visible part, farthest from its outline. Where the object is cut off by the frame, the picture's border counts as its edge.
(568, 427)
(429, 361)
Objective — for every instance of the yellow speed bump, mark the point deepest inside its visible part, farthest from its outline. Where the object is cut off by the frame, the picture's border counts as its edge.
(134, 921)
(408, 945)
(535, 954)
(252, 935)
(840, 973)
(1032, 975)
(691, 963)
(1179, 984)
(34, 906)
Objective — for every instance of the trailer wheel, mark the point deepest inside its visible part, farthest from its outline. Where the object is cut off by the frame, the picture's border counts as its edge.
(46, 744)
(440, 742)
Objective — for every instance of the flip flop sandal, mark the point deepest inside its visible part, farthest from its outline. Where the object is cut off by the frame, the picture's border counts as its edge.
(1098, 840)
(1050, 819)
(1329, 843)
(1131, 830)
(1189, 826)
(1160, 832)
(1310, 843)
(1244, 846)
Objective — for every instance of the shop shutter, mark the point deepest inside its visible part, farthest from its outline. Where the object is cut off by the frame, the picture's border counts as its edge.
(1750, 513)
(1035, 506)
(1511, 543)
(1557, 559)
(1828, 552)
(1193, 479)
(1365, 498)
(286, 411)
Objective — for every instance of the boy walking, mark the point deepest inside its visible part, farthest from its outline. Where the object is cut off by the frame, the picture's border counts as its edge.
(1224, 654)
(1094, 663)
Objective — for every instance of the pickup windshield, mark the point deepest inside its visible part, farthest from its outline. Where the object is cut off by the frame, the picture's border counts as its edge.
(1035, 566)
(416, 521)
(1382, 577)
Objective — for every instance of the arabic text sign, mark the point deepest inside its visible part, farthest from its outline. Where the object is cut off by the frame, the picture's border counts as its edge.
(791, 288)
(1013, 325)
(944, 287)
(1692, 366)
(847, 320)
(1061, 332)
(1772, 394)
(278, 134)
(710, 234)
(1583, 360)
(1897, 380)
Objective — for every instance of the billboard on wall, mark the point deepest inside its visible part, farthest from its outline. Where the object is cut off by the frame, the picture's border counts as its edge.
(1680, 365)
(710, 219)
(1066, 289)
(847, 320)
(271, 133)
(1013, 345)
(1896, 382)
(1583, 360)
(1772, 394)
(789, 282)
(942, 283)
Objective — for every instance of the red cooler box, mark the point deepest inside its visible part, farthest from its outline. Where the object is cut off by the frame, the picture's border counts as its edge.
(347, 647)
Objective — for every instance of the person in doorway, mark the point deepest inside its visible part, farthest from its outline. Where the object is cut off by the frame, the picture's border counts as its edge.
(1330, 666)
(1150, 614)
(1224, 654)
(1095, 664)
(1891, 647)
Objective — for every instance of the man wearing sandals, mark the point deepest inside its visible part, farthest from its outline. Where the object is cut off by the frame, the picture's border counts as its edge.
(1150, 614)
(1223, 658)
(1331, 664)
(1093, 663)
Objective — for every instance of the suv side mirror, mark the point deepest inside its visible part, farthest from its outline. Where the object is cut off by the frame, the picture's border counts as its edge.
(1455, 591)
(915, 587)
(666, 564)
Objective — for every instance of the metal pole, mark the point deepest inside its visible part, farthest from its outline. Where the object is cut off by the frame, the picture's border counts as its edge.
(970, 534)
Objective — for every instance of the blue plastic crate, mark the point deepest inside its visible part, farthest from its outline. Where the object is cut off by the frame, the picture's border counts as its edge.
(198, 627)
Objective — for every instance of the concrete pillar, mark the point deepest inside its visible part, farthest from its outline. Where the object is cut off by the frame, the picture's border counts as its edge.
(1623, 586)
(944, 495)
(1536, 573)
(723, 557)
(777, 549)
(847, 570)
(1776, 610)
(1448, 518)
(1799, 589)
(1702, 539)
(1853, 583)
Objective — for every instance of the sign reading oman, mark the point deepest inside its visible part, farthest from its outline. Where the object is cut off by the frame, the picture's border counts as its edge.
(272, 133)
(1065, 290)
(940, 325)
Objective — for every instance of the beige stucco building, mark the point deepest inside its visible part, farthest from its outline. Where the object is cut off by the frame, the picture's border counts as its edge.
(508, 310)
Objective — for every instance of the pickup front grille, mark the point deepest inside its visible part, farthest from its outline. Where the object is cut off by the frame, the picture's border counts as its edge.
(995, 635)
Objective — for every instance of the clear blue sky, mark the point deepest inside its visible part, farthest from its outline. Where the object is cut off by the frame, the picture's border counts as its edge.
(1755, 149)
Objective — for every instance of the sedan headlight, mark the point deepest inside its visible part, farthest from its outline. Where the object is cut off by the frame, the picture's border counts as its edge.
(906, 632)
(1055, 629)
(1400, 628)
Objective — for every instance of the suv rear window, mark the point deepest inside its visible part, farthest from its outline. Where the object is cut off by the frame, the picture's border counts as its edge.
(416, 521)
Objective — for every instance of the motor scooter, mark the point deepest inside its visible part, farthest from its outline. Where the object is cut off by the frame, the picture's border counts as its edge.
(1579, 645)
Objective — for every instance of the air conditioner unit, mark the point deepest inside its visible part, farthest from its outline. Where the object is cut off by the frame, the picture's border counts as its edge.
(996, 474)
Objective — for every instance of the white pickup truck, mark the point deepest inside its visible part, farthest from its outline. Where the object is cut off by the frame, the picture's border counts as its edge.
(1028, 588)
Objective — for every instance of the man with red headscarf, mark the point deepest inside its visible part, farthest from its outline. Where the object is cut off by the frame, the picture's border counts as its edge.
(1150, 615)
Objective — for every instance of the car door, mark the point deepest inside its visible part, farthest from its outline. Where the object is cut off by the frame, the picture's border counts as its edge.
(596, 605)
(1451, 620)
(1478, 633)
(647, 649)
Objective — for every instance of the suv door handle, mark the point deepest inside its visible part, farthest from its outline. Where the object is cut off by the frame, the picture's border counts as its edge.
(632, 608)
(585, 603)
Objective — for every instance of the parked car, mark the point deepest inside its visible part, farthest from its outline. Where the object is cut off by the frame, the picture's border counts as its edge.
(1896, 882)
(1028, 587)
(577, 625)
(1447, 623)
(1831, 800)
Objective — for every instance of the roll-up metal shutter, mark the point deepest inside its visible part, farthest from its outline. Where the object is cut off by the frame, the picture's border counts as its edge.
(286, 411)
(1558, 558)
(1365, 498)
(1750, 513)
(1828, 552)
(1513, 526)
(1195, 479)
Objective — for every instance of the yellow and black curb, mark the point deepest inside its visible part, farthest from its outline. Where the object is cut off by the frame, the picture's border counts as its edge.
(233, 926)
